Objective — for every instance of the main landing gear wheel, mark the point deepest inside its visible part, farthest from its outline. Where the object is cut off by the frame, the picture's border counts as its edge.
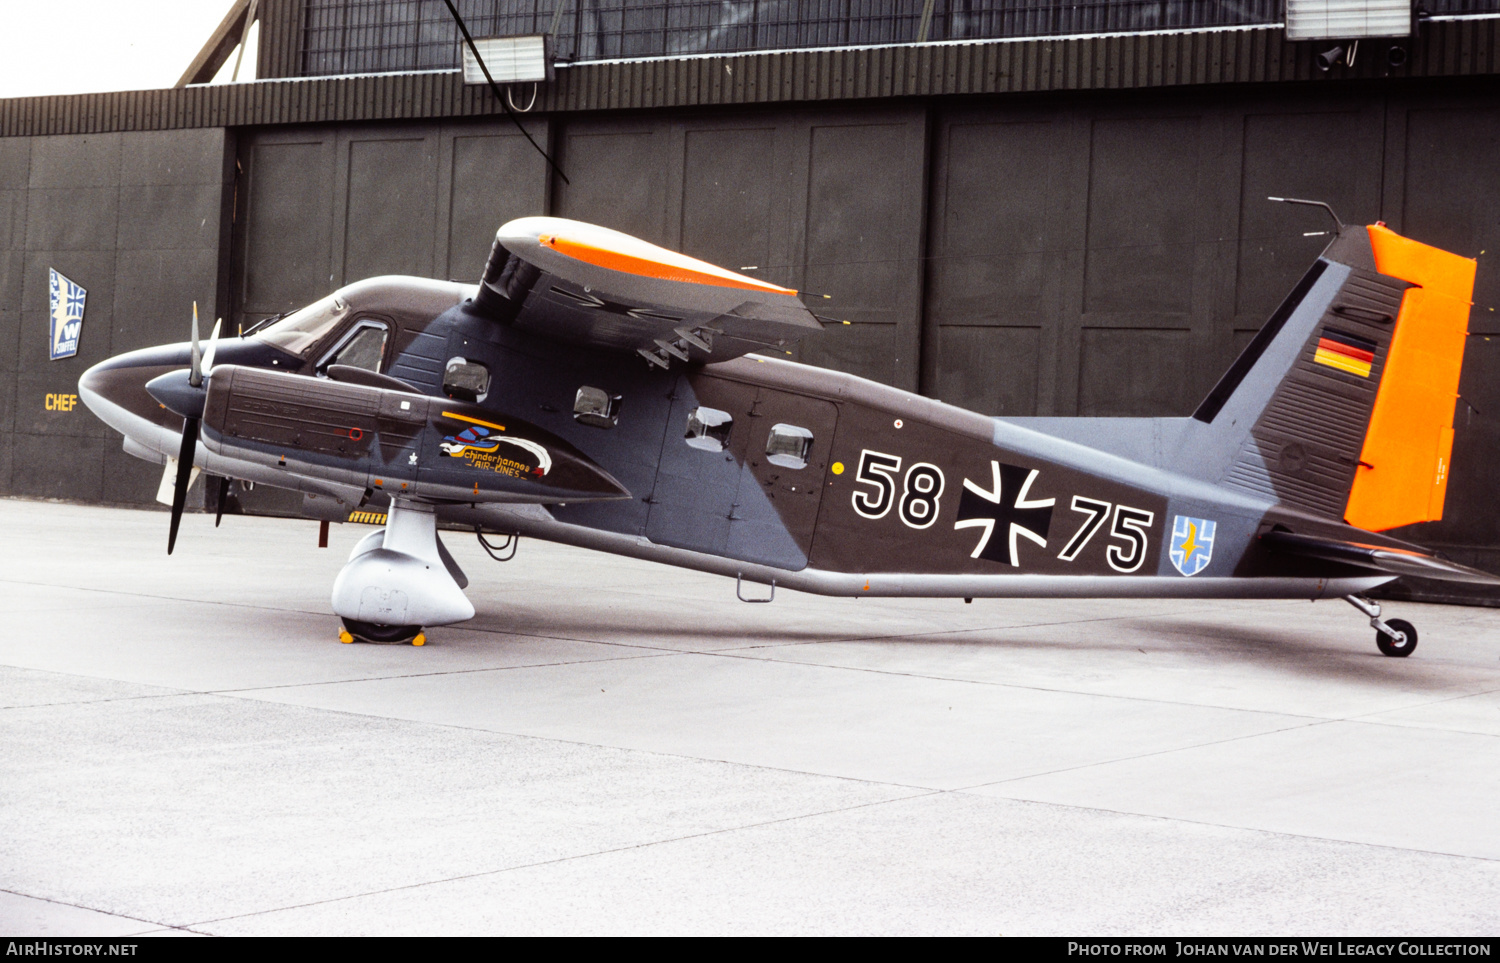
(381, 634)
(1397, 646)
(1396, 638)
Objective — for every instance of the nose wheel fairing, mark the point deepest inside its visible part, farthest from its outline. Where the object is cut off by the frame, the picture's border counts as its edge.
(400, 581)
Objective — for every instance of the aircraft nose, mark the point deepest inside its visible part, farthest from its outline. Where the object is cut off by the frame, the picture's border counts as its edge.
(93, 389)
(115, 391)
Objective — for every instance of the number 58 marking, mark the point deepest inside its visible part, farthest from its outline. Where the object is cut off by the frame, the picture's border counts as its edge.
(921, 489)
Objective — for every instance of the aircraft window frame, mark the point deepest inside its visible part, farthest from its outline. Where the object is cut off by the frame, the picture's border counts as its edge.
(598, 409)
(792, 437)
(301, 332)
(331, 356)
(464, 392)
(708, 429)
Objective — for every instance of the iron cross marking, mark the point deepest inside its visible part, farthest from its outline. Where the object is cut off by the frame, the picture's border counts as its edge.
(1005, 511)
(589, 300)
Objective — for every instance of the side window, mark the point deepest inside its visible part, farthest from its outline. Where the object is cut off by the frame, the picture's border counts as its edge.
(363, 347)
(708, 428)
(596, 407)
(788, 446)
(465, 380)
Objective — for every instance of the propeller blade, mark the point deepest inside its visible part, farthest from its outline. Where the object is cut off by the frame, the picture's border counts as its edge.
(223, 500)
(195, 372)
(213, 342)
(184, 476)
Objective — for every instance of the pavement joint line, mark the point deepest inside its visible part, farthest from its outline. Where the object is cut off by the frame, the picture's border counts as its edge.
(62, 902)
(423, 675)
(932, 634)
(1313, 722)
(1147, 755)
(89, 702)
(732, 653)
(1014, 685)
(248, 696)
(1333, 840)
(159, 598)
(647, 844)
(297, 611)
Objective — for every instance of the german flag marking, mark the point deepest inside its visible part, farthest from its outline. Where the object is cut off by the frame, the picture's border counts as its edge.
(1346, 352)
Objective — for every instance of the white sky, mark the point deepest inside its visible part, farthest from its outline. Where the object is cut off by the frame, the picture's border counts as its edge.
(86, 46)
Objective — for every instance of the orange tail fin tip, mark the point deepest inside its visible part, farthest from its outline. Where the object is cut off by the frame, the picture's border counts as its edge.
(1403, 473)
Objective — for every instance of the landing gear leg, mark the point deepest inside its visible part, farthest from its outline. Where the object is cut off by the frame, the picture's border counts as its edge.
(1396, 638)
(400, 579)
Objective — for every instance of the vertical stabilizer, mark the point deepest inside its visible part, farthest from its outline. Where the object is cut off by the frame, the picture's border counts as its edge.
(1342, 406)
(1402, 475)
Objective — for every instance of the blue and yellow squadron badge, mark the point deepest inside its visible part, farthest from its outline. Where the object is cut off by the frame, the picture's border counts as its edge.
(66, 315)
(1192, 544)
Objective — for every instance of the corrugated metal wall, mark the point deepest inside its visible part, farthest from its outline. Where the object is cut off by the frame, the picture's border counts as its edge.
(360, 36)
(1447, 49)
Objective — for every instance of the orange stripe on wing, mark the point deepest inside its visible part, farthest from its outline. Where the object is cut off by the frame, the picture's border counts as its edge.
(645, 267)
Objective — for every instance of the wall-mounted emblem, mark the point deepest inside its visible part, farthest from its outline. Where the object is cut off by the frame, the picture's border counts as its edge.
(67, 315)
(1192, 544)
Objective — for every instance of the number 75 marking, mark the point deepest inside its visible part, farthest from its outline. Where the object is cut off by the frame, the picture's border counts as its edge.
(1131, 526)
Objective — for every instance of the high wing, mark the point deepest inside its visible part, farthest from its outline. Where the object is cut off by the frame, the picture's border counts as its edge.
(591, 286)
(1380, 558)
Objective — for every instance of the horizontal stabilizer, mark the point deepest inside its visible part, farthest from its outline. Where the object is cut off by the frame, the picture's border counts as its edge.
(1381, 558)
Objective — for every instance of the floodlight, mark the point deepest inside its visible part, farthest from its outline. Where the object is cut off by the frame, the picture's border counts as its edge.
(1347, 19)
(510, 60)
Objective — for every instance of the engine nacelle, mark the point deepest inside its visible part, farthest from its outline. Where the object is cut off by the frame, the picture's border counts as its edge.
(406, 444)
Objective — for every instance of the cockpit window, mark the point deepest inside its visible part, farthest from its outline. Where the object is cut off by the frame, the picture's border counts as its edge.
(364, 349)
(301, 332)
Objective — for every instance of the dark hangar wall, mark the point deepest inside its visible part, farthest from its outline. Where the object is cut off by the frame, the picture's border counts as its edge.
(137, 219)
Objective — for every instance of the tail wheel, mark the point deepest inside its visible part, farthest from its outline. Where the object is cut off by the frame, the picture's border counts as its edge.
(1394, 646)
(383, 634)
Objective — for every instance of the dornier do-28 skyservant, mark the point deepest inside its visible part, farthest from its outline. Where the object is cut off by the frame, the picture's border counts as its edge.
(600, 391)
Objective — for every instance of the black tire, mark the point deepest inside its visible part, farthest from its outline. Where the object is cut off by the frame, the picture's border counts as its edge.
(1389, 646)
(381, 634)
